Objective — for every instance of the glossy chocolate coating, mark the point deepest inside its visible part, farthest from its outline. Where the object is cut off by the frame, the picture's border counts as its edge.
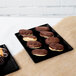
(46, 34)
(24, 32)
(39, 52)
(42, 28)
(33, 44)
(56, 46)
(52, 40)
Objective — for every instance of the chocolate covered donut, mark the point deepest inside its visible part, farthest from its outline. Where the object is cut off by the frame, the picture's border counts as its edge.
(29, 38)
(56, 47)
(52, 40)
(40, 52)
(24, 32)
(46, 34)
(34, 44)
(42, 28)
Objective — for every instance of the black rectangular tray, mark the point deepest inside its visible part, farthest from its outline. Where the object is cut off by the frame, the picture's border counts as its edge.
(10, 66)
(51, 54)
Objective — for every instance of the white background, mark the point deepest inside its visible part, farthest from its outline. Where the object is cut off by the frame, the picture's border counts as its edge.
(11, 25)
(38, 8)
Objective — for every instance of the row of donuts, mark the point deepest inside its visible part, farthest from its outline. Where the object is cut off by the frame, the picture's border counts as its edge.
(32, 42)
(50, 40)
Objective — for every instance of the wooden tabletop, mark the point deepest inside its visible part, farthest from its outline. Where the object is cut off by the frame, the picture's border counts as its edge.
(62, 65)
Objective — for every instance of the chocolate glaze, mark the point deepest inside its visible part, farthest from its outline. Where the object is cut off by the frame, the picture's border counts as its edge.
(33, 44)
(24, 32)
(56, 46)
(39, 51)
(52, 40)
(43, 28)
(46, 33)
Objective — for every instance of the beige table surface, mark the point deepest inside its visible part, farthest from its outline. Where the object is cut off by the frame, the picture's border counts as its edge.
(62, 65)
